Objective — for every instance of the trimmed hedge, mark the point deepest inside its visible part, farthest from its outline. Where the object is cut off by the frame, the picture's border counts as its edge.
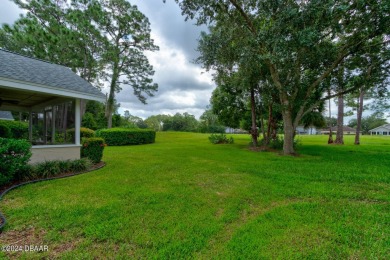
(14, 156)
(84, 133)
(5, 132)
(19, 130)
(123, 136)
(92, 148)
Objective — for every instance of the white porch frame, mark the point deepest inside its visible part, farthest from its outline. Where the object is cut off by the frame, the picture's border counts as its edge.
(59, 151)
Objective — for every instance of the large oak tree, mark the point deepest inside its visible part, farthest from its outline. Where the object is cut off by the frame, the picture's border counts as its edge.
(302, 43)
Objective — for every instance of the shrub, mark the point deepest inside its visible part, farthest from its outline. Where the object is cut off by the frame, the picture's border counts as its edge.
(5, 132)
(220, 139)
(80, 165)
(89, 121)
(92, 148)
(122, 136)
(52, 168)
(84, 133)
(65, 166)
(24, 174)
(14, 156)
(278, 143)
(46, 169)
(19, 130)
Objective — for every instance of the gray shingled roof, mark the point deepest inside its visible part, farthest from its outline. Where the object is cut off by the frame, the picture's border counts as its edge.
(22, 68)
(386, 126)
(6, 115)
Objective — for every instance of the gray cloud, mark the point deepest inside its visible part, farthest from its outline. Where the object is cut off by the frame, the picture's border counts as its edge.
(9, 12)
(167, 19)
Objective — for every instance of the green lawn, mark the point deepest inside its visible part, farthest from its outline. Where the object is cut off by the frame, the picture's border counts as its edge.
(183, 197)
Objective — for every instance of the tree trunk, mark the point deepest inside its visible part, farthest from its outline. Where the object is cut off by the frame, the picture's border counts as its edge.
(330, 138)
(111, 96)
(262, 125)
(253, 111)
(340, 120)
(83, 107)
(273, 129)
(110, 106)
(267, 138)
(359, 117)
(289, 129)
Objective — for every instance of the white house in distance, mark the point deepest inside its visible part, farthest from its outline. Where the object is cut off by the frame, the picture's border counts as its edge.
(311, 130)
(51, 94)
(381, 130)
(346, 130)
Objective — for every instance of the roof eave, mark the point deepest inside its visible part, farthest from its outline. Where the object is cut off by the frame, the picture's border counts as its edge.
(382, 126)
(22, 85)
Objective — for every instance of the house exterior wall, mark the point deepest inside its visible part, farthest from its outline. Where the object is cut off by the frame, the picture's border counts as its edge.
(53, 152)
(307, 131)
(380, 131)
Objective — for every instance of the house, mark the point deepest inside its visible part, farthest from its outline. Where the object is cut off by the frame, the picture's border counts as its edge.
(51, 94)
(380, 130)
(6, 115)
(346, 130)
(230, 130)
(311, 130)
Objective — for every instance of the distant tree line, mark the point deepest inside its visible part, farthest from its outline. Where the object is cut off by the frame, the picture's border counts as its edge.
(94, 118)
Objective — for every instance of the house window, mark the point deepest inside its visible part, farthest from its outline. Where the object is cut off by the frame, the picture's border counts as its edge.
(50, 125)
(384, 133)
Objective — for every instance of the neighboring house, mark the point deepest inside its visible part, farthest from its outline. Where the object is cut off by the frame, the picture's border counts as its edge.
(51, 94)
(380, 130)
(6, 115)
(311, 130)
(230, 130)
(346, 130)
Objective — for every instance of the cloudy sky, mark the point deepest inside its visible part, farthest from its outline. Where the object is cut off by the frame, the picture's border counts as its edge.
(183, 85)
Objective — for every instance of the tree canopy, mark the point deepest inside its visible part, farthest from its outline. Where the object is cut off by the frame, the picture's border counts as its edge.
(301, 43)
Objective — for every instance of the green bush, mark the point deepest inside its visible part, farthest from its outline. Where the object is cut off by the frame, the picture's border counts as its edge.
(19, 130)
(278, 143)
(220, 139)
(14, 156)
(80, 165)
(89, 121)
(84, 133)
(52, 168)
(92, 148)
(123, 136)
(5, 132)
(46, 169)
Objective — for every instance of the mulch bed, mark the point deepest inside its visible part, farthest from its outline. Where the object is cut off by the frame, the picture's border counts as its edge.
(58, 176)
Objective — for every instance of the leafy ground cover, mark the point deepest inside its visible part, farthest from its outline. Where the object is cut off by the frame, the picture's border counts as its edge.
(183, 197)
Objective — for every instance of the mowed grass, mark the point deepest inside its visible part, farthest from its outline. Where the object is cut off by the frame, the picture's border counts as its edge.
(183, 197)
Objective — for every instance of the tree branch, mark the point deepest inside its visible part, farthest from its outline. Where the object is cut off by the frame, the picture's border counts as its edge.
(244, 15)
